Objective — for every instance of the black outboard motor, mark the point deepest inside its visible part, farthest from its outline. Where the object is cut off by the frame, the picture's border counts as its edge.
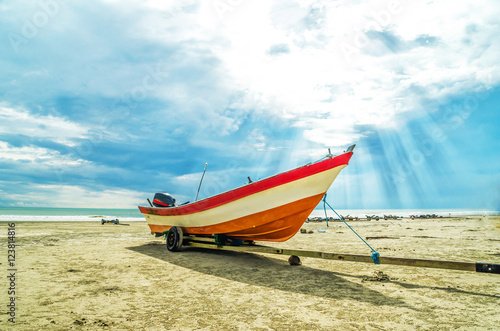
(163, 200)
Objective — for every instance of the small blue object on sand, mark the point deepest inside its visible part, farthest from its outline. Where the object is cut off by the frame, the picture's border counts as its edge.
(322, 231)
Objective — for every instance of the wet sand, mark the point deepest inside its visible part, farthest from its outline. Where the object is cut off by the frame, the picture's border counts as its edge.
(84, 275)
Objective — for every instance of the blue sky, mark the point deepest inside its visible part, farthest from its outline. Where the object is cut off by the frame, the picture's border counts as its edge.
(104, 103)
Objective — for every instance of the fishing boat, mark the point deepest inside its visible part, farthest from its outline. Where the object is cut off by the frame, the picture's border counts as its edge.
(270, 209)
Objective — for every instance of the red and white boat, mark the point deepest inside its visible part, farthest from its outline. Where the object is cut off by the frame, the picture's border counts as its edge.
(270, 209)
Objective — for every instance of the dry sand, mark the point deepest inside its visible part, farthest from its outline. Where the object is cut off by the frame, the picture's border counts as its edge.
(84, 275)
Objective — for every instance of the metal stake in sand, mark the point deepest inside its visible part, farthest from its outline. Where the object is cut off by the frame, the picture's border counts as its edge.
(201, 181)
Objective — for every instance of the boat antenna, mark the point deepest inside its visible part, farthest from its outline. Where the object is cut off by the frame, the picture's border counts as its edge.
(201, 181)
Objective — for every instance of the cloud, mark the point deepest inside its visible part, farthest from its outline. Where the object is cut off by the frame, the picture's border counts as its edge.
(137, 101)
(39, 156)
(278, 49)
(21, 122)
(404, 55)
(203, 64)
(71, 196)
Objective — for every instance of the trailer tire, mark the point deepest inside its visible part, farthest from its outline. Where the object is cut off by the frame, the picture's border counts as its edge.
(174, 239)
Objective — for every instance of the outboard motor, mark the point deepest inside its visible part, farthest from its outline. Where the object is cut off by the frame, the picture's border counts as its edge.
(163, 200)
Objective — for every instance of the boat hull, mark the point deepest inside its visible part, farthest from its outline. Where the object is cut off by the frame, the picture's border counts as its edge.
(272, 209)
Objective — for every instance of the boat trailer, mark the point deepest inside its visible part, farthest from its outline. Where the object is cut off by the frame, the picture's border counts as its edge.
(175, 240)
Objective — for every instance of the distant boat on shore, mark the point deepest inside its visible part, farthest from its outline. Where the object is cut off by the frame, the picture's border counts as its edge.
(270, 209)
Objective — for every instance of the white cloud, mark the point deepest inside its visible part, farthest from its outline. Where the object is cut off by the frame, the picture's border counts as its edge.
(311, 79)
(38, 155)
(405, 53)
(74, 196)
(20, 121)
(315, 86)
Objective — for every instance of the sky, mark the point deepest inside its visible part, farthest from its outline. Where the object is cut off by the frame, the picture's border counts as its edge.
(104, 103)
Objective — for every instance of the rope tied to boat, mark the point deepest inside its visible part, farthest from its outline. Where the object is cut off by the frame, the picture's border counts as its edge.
(375, 255)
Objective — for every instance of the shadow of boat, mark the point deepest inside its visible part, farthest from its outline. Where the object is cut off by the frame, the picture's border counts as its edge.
(264, 271)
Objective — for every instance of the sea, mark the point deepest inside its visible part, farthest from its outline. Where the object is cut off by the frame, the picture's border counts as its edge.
(33, 214)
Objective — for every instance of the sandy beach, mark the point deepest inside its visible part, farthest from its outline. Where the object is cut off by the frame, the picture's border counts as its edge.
(88, 276)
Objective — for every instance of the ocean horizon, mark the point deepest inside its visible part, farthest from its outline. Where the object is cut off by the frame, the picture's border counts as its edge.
(46, 214)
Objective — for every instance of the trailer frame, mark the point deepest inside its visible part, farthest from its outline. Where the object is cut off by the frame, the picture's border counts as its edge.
(175, 240)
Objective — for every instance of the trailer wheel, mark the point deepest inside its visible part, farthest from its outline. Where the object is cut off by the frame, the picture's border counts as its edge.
(174, 239)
